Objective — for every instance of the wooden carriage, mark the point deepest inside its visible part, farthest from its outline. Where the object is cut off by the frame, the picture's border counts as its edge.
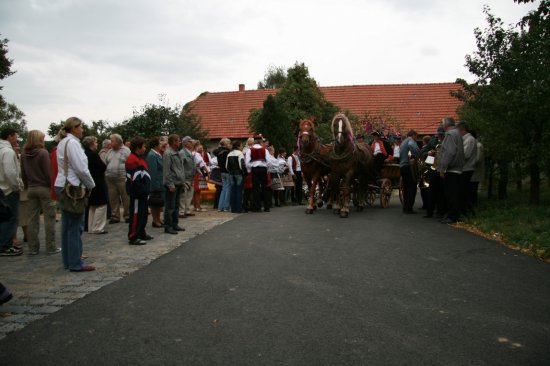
(390, 180)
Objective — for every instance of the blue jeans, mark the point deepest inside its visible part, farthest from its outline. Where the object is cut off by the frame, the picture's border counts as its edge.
(236, 193)
(72, 227)
(226, 192)
(8, 228)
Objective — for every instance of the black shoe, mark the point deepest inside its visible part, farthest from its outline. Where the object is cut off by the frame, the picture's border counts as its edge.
(5, 296)
(137, 242)
(266, 210)
(178, 228)
(114, 221)
(148, 237)
(409, 212)
(169, 230)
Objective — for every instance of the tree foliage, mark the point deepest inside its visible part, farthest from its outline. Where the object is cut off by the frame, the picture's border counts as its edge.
(12, 117)
(299, 97)
(274, 78)
(509, 102)
(160, 120)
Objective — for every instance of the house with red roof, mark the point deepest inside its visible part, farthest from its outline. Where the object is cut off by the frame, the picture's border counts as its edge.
(412, 106)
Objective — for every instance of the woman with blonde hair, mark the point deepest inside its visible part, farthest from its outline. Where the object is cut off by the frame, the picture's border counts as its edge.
(36, 174)
(73, 169)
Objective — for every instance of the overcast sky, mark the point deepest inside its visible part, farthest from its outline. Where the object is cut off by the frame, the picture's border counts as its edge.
(98, 59)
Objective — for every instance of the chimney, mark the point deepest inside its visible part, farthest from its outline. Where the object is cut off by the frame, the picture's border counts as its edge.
(241, 87)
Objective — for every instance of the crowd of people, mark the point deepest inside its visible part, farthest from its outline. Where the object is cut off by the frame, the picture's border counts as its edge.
(126, 181)
(165, 176)
(448, 168)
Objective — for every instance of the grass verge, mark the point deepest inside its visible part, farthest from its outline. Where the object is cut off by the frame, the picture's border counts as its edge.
(515, 223)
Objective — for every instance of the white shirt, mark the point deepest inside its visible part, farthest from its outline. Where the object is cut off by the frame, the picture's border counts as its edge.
(298, 164)
(77, 171)
(396, 150)
(258, 163)
(199, 161)
(377, 149)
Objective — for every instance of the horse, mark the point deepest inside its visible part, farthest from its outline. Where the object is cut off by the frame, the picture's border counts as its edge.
(314, 158)
(352, 166)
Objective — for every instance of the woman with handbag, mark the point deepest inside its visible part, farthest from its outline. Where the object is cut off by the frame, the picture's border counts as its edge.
(72, 185)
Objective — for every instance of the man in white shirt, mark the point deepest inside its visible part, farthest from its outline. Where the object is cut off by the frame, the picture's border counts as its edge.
(256, 160)
(11, 186)
(295, 168)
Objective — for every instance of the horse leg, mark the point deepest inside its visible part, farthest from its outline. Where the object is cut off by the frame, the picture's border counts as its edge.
(344, 213)
(311, 184)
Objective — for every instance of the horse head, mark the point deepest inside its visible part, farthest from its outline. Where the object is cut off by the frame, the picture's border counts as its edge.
(307, 135)
(341, 129)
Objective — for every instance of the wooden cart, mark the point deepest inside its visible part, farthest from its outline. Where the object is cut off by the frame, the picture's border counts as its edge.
(390, 180)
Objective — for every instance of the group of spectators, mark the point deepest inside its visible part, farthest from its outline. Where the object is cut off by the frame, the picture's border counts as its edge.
(448, 168)
(124, 182)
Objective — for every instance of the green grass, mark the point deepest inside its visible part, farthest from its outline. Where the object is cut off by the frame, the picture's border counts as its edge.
(517, 223)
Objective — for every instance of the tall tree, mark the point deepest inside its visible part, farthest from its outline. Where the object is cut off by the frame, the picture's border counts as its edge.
(274, 78)
(510, 98)
(299, 97)
(10, 115)
(273, 122)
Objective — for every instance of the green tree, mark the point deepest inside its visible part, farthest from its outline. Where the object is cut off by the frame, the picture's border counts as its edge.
(273, 122)
(5, 65)
(274, 78)
(510, 98)
(12, 117)
(160, 120)
(299, 97)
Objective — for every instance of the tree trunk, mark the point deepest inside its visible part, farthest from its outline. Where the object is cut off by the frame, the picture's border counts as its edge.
(503, 179)
(490, 171)
(518, 175)
(534, 194)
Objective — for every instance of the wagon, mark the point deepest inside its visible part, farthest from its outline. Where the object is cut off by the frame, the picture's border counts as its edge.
(390, 180)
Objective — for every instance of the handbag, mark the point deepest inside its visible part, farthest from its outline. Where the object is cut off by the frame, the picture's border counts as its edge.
(277, 183)
(72, 199)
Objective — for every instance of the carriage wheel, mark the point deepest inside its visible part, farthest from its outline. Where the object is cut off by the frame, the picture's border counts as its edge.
(371, 196)
(385, 193)
(401, 188)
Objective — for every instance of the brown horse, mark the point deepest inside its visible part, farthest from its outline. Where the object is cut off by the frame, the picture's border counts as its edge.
(314, 158)
(352, 166)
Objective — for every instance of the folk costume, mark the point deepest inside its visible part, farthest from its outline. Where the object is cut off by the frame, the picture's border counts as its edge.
(138, 187)
(256, 162)
(295, 168)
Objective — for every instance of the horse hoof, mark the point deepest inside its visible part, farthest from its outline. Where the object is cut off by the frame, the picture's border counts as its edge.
(344, 215)
(329, 207)
(320, 204)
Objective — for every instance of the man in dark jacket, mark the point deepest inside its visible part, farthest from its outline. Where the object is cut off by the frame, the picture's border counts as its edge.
(450, 168)
(138, 186)
(173, 178)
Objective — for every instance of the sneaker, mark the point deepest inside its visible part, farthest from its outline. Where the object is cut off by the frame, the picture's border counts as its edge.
(137, 242)
(10, 252)
(55, 251)
(148, 237)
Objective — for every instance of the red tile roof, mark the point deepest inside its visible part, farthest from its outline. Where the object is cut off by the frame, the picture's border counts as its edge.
(413, 106)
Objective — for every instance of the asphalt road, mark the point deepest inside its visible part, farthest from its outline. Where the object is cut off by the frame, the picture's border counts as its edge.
(285, 288)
